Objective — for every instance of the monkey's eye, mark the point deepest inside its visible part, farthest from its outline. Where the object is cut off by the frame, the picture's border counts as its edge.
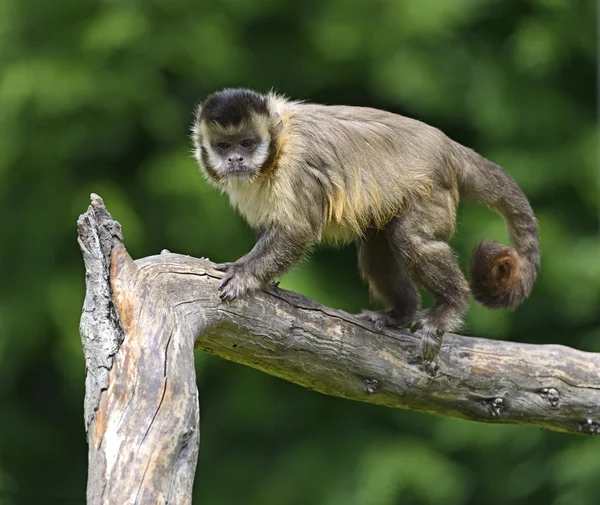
(247, 143)
(223, 145)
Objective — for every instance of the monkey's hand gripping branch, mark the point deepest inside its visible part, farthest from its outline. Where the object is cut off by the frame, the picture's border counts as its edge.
(142, 320)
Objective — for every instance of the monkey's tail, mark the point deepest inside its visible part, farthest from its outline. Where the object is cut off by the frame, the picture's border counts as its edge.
(500, 276)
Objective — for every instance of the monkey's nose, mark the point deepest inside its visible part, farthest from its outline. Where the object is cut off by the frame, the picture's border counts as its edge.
(235, 159)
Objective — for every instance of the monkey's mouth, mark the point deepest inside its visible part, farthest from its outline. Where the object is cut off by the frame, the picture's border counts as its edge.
(239, 172)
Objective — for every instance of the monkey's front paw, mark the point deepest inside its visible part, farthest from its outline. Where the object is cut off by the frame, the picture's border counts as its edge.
(237, 282)
(223, 267)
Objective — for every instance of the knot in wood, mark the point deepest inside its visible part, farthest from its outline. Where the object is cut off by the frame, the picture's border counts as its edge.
(551, 395)
(589, 427)
(370, 385)
(496, 406)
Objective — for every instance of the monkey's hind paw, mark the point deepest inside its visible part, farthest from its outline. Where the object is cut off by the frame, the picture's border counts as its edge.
(431, 343)
(237, 282)
(431, 336)
(381, 319)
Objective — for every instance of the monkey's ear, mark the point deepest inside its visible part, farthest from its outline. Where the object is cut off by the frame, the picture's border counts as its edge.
(276, 123)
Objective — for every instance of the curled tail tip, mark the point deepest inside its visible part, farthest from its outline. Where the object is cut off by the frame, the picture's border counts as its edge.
(498, 276)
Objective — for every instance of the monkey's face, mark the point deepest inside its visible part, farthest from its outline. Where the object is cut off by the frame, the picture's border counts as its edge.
(237, 154)
(233, 135)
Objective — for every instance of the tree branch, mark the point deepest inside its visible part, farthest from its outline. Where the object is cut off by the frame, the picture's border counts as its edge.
(141, 405)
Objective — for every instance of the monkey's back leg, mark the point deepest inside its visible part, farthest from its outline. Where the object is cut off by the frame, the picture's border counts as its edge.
(419, 237)
(388, 280)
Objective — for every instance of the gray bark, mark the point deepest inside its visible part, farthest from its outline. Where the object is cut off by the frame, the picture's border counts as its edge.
(141, 321)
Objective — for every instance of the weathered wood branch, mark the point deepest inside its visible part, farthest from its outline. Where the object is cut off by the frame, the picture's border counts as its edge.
(141, 321)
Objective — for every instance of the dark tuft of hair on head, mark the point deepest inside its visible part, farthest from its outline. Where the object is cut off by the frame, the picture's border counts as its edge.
(231, 106)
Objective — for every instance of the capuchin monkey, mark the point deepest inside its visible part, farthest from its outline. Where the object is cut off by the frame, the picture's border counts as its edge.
(302, 173)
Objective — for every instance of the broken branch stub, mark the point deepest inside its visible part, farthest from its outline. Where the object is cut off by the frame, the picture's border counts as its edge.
(141, 404)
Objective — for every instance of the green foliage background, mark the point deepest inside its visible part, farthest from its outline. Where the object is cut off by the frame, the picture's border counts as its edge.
(97, 96)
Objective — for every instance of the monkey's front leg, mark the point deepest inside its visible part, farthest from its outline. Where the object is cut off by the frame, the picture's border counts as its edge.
(276, 250)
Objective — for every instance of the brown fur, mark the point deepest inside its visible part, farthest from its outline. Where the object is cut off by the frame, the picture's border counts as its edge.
(393, 184)
(496, 276)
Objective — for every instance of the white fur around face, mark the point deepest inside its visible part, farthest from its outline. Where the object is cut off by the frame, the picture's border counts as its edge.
(259, 156)
(218, 162)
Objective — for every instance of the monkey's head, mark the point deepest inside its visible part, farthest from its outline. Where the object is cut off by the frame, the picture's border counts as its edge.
(234, 135)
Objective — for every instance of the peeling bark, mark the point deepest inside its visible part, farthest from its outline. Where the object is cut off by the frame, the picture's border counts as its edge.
(141, 321)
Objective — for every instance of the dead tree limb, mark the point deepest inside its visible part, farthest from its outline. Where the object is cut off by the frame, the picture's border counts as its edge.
(141, 321)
